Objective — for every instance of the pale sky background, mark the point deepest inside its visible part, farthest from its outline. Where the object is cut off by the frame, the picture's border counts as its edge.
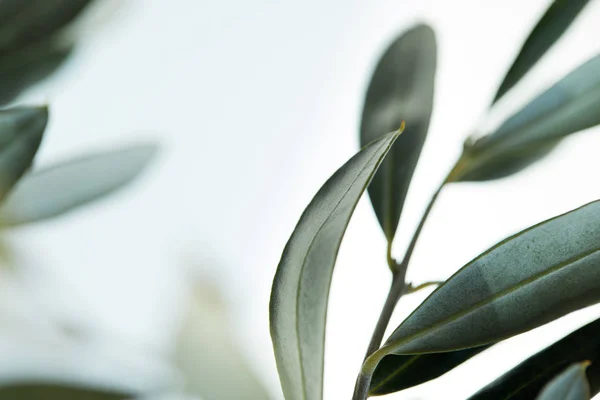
(256, 103)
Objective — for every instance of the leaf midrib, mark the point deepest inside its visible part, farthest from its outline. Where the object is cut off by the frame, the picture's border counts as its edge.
(298, 335)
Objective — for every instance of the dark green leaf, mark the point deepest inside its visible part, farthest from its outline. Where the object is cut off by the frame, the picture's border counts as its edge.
(401, 89)
(526, 380)
(32, 43)
(571, 105)
(548, 30)
(569, 385)
(24, 22)
(72, 184)
(395, 373)
(21, 131)
(525, 281)
(28, 66)
(300, 291)
(48, 391)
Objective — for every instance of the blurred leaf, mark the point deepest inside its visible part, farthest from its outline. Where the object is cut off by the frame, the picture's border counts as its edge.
(401, 89)
(527, 280)
(21, 131)
(32, 44)
(300, 291)
(569, 106)
(47, 391)
(525, 381)
(569, 385)
(208, 355)
(548, 30)
(53, 191)
(395, 373)
(27, 67)
(23, 22)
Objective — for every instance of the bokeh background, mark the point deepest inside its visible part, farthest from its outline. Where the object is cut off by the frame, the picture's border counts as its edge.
(255, 104)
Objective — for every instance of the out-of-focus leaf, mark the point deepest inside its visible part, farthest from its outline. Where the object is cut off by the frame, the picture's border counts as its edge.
(401, 89)
(395, 373)
(525, 381)
(208, 355)
(569, 385)
(28, 66)
(53, 191)
(548, 30)
(50, 391)
(527, 280)
(300, 291)
(23, 22)
(32, 41)
(21, 131)
(571, 105)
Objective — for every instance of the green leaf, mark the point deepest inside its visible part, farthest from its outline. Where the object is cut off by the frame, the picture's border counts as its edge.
(401, 89)
(395, 373)
(21, 131)
(571, 105)
(33, 43)
(74, 183)
(525, 381)
(23, 22)
(52, 391)
(300, 291)
(527, 280)
(569, 385)
(548, 30)
(28, 66)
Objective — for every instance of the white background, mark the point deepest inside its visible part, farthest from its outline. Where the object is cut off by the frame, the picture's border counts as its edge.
(255, 104)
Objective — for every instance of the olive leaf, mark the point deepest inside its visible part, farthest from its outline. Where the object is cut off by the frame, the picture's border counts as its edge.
(32, 41)
(55, 391)
(525, 381)
(555, 21)
(26, 67)
(21, 131)
(401, 89)
(23, 22)
(298, 305)
(569, 385)
(399, 372)
(571, 105)
(527, 280)
(72, 184)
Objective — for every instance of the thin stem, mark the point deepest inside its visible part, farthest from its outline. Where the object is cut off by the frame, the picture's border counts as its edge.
(390, 260)
(397, 289)
(413, 289)
(411, 247)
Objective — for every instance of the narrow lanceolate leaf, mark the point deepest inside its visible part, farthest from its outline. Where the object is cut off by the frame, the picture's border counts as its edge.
(525, 281)
(525, 381)
(26, 67)
(395, 373)
(548, 30)
(72, 184)
(569, 385)
(55, 391)
(33, 41)
(571, 105)
(300, 291)
(21, 131)
(23, 22)
(401, 89)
